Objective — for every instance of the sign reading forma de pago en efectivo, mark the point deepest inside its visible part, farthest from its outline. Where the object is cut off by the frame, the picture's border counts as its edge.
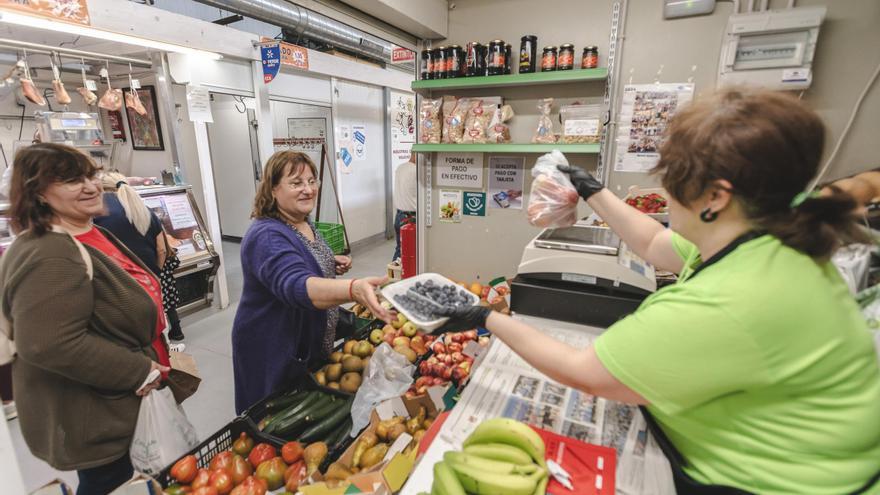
(460, 170)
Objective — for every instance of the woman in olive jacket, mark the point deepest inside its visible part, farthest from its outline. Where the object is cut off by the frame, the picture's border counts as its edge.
(84, 341)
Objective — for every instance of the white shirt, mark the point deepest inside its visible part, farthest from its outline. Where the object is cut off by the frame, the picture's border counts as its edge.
(405, 187)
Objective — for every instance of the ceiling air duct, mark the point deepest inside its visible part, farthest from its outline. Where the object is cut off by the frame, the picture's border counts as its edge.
(308, 24)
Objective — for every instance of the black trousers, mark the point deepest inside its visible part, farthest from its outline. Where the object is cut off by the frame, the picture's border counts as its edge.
(104, 479)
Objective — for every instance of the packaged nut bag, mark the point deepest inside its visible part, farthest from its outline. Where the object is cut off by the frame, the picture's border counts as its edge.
(429, 121)
(544, 131)
(478, 116)
(454, 113)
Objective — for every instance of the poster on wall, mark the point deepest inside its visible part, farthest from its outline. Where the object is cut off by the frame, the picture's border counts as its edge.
(344, 157)
(506, 181)
(403, 126)
(307, 134)
(359, 142)
(450, 206)
(117, 128)
(460, 170)
(474, 204)
(179, 222)
(146, 132)
(644, 113)
(75, 11)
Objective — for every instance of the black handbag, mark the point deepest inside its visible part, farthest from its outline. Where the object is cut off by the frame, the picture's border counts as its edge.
(170, 293)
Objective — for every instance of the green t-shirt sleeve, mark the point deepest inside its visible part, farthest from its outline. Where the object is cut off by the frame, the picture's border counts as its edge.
(685, 249)
(679, 351)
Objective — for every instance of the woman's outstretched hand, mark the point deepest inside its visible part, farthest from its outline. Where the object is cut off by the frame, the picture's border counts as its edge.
(364, 291)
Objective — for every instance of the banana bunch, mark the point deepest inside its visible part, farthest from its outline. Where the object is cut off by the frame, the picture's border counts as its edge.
(501, 457)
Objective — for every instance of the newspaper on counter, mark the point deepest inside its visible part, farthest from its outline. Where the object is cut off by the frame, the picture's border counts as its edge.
(505, 385)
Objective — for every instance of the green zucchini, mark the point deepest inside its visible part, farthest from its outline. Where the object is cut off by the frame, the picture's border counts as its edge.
(336, 438)
(284, 401)
(287, 424)
(291, 411)
(323, 427)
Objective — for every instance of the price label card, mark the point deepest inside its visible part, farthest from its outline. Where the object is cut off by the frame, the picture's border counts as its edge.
(136, 84)
(104, 73)
(91, 85)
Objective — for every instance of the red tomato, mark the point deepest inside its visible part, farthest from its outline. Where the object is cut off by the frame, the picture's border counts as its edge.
(251, 486)
(291, 452)
(223, 460)
(262, 452)
(184, 470)
(241, 469)
(297, 470)
(221, 479)
(205, 490)
(203, 478)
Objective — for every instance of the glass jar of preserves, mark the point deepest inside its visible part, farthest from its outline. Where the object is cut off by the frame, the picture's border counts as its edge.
(590, 59)
(454, 64)
(527, 54)
(548, 59)
(440, 63)
(495, 59)
(565, 59)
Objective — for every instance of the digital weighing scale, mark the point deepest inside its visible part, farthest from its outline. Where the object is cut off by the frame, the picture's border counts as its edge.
(582, 274)
(80, 130)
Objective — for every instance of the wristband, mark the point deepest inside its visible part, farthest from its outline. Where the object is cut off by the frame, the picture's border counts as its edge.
(350, 286)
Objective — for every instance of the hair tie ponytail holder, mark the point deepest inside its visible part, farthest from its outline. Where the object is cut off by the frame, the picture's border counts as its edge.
(120, 183)
(801, 197)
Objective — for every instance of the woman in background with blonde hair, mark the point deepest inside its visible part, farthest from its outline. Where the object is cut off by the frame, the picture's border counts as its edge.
(129, 219)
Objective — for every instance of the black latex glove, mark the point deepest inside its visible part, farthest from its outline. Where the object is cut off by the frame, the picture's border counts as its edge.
(583, 181)
(463, 318)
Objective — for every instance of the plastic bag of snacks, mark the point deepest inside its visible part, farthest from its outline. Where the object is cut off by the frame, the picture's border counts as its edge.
(429, 121)
(544, 132)
(553, 200)
(498, 131)
(581, 123)
(478, 116)
(454, 112)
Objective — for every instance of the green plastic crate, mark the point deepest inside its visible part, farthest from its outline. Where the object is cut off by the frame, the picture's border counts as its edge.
(334, 234)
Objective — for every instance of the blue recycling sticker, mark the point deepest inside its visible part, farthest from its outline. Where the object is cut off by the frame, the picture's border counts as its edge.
(346, 156)
(359, 136)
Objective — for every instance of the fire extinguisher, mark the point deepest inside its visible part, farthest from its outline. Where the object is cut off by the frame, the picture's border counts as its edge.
(408, 247)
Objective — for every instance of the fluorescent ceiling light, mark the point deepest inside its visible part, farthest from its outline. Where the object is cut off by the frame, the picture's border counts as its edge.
(75, 29)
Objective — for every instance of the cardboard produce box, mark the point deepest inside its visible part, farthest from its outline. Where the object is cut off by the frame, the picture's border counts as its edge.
(386, 477)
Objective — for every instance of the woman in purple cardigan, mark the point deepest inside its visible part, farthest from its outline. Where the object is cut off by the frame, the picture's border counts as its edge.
(289, 303)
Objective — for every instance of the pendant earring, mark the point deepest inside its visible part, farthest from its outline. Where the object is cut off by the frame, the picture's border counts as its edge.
(708, 216)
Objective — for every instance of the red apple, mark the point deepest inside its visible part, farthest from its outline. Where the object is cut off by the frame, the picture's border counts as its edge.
(422, 390)
(439, 381)
(438, 348)
(447, 374)
(470, 335)
(459, 374)
(432, 360)
(423, 367)
(447, 358)
(454, 347)
(457, 357)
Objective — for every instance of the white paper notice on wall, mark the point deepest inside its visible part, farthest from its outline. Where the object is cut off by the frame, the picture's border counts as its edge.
(460, 170)
(359, 142)
(198, 104)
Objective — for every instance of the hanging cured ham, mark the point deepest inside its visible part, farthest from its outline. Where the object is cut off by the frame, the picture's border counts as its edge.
(61, 95)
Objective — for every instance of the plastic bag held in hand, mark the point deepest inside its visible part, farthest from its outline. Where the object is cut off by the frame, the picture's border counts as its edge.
(162, 434)
(553, 200)
(388, 375)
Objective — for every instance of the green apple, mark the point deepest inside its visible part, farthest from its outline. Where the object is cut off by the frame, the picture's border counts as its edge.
(376, 336)
(409, 329)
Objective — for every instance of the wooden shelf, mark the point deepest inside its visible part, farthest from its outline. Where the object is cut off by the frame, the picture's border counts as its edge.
(505, 148)
(513, 80)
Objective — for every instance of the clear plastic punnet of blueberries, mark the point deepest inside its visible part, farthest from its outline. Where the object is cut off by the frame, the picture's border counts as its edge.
(425, 299)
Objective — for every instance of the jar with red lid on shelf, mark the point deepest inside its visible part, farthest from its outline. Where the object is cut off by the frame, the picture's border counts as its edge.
(548, 59)
(590, 58)
(565, 58)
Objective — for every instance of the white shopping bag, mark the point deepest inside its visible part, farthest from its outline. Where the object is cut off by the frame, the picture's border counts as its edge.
(163, 433)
